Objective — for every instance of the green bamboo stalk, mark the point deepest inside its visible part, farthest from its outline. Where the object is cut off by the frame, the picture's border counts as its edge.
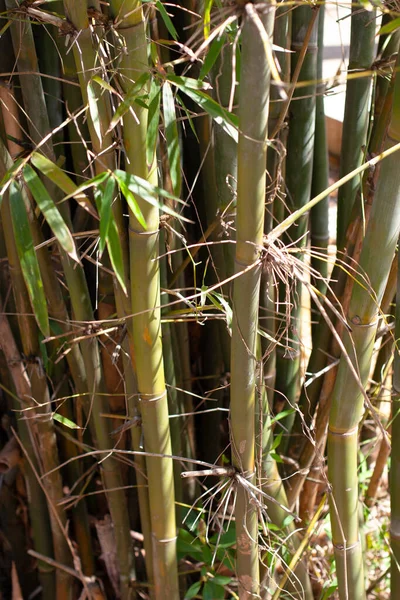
(145, 298)
(274, 209)
(319, 216)
(299, 585)
(356, 114)
(299, 168)
(253, 122)
(395, 459)
(382, 233)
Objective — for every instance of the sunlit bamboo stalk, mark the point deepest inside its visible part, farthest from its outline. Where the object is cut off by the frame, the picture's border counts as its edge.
(253, 122)
(348, 400)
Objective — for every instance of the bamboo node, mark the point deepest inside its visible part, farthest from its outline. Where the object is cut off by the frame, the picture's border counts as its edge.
(346, 547)
(343, 432)
(136, 232)
(165, 540)
(152, 398)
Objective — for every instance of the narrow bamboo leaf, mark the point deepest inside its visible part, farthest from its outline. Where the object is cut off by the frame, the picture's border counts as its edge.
(60, 179)
(153, 118)
(188, 117)
(188, 83)
(130, 198)
(224, 118)
(105, 85)
(142, 188)
(207, 17)
(28, 258)
(115, 252)
(65, 421)
(172, 138)
(50, 212)
(107, 198)
(9, 175)
(211, 56)
(390, 27)
(94, 113)
(130, 98)
(167, 20)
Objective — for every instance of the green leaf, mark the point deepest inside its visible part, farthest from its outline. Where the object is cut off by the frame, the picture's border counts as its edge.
(211, 56)
(131, 200)
(50, 212)
(64, 421)
(153, 118)
(172, 138)
(28, 258)
(389, 27)
(107, 198)
(283, 414)
(148, 192)
(227, 539)
(226, 120)
(222, 580)
(187, 544)
(207, 17)
(276, 457)
(188, 83)
(167, 20)
(61, 180)
(277, 440)
(115, 252)
(193, 590)
(130, 98)
(211, 591)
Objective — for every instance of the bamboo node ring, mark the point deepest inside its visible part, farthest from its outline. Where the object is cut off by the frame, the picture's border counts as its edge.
(153, 398)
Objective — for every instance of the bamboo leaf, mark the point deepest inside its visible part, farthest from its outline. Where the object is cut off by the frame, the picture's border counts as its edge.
(106, 212)
(167, 20)
(224, 118)
(130, 98)
(207, 17)
(28, 258)
(153, 121)
(172, 138)
(65, 421)
(50, 212)
(150, 193)
(130, 198)
(94, 113)
(115, 252)
(389, 27)
(188, 83)
(61, 180)
(211, 56)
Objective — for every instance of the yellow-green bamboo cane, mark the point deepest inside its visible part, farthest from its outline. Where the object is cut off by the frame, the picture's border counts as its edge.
(347, 401)
(145, 299)
(253, 121)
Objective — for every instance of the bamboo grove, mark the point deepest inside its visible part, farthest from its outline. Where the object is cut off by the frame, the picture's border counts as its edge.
(198, 386)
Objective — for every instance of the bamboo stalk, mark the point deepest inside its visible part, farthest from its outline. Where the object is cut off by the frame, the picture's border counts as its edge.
(383, 230)
(253, 122)
(356, 114)
(145, 298)
(319, 217)
(299, 168)
(395, 460)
